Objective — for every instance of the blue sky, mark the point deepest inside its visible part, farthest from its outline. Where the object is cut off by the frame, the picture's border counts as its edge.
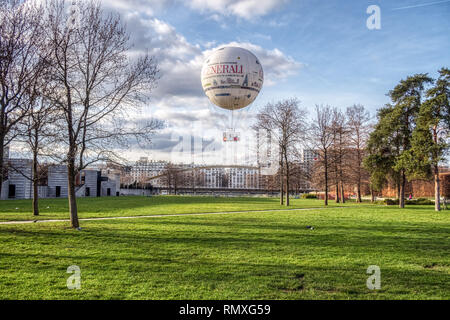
(318, 51)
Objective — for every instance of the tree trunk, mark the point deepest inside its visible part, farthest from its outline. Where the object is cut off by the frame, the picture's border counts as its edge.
(358, 182)
(358, 192)
(326, 179)
(281, 182)
(372, 195)
(401, 201)
(287, 182)
(437, 190)
(72, 197)
(336, 186)
(281, 189)
(341, 173)
(35, 180)
(287, 192)
(2, 168)
(35, 198)
(437, 182)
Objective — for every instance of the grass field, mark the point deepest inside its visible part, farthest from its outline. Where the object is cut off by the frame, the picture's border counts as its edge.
(269, 255)
(139, 206)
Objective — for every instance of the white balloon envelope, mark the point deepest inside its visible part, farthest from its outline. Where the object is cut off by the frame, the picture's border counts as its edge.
(232, 77)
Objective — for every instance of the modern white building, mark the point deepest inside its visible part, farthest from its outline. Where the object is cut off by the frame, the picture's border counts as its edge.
(213, 177)
(18, 184)
(57, 181)
(143, 168)
(95, 183)
(90, 183)
(243, 178)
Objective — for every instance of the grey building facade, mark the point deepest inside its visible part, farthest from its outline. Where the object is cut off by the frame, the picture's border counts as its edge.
(57, 182)
(18, 184)
(90, 181)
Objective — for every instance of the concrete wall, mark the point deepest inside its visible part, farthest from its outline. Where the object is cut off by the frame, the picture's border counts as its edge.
(43, 191)
(111, 185)
(116, 178)
(57, 176)
(90, 181)
(5, 189)
(20, 177)
(80, 192)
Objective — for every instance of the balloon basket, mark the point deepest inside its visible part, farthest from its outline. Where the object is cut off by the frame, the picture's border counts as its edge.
(231, 136)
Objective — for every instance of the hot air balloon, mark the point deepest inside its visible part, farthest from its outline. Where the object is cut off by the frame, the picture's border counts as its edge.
(232, 78)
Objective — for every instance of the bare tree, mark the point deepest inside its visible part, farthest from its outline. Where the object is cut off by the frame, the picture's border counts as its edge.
(199, 179)
(172, 178)
(98, 86)
(339, 152)
(333, 154)
(285, 121)
(37, 132)
(322, 137)
(359, 128)
(20, 67)
(299, 176)
(126, 180)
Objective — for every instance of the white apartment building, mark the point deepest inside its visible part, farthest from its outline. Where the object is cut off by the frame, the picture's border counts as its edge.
(310, 155)
(143, 168)
(213, 177)
(243, 178)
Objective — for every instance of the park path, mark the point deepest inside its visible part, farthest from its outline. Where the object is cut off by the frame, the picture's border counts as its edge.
(162, 215)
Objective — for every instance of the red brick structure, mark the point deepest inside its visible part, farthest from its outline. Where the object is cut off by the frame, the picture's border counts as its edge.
(417, 188)
(445, 184)
(421, 188)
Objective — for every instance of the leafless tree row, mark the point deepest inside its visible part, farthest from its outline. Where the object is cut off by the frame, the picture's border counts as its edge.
(340, 139)
(285, 122)
(337, 139)
(68, 85)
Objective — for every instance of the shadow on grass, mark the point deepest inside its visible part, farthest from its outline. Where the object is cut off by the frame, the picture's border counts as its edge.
(216, 236)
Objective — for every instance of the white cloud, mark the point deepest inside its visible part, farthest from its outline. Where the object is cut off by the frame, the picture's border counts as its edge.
(179, 98)
(276, 64)
(148, 7)
(246, 9)
(180, 61)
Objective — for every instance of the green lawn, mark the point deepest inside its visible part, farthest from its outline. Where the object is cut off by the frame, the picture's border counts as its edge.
(138, 206)
(237, 256)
